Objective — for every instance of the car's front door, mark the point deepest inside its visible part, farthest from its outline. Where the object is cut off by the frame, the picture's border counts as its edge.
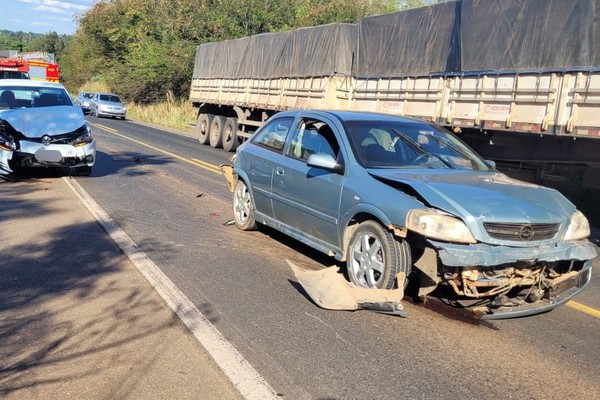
(304, 197)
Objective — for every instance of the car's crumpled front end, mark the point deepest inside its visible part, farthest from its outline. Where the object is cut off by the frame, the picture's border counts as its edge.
(49, 136)
(520, 249)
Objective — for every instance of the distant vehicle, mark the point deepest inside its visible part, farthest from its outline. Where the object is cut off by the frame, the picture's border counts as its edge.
(399, 197)
(84, 100)
(107, 105)
(40, 127)
(13, 68)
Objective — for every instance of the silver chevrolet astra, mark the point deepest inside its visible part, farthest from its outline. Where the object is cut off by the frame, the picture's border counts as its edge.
(40, 127)
(389, 194)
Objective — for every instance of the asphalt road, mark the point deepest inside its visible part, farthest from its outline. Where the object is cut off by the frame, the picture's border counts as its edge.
(161, 189)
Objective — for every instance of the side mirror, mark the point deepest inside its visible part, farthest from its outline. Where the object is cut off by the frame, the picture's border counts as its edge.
(491, 163)
(324, 161)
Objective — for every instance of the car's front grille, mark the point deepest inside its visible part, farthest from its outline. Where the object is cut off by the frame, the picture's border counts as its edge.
(521, 232)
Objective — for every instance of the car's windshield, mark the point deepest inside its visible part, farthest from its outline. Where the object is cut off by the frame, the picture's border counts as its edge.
(110, 97)
(12, 97)
(391, 144)
(87, 95)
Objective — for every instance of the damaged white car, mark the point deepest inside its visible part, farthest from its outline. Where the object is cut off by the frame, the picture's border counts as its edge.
(40, 127)
(400, 199)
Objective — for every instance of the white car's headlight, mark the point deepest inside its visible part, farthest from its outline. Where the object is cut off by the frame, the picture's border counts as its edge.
(579, 228)
(85, 137)
(433, 224)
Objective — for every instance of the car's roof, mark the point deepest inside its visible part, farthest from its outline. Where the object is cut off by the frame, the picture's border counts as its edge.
(29, 83)
(354, 115)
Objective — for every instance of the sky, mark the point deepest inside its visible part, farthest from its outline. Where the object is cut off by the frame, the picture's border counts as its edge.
(42, 16)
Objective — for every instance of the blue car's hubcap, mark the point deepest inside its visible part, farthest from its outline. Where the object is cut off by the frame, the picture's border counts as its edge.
(368, 262)
(242, 204)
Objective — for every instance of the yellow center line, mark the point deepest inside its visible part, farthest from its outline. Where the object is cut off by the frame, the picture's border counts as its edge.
(193, 161)
(583, 308)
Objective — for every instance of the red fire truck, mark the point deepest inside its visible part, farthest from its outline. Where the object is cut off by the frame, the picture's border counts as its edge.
(42, 70)
(14, 68)
(42, 66)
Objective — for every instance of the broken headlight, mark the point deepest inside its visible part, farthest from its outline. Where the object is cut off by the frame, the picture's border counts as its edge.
(85, 137)
(436, 225)
(579, 228)
(7, 142)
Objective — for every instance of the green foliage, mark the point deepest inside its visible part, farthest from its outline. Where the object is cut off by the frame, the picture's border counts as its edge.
(142, 49)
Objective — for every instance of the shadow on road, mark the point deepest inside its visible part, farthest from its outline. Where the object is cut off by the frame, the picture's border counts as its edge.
(69, 311)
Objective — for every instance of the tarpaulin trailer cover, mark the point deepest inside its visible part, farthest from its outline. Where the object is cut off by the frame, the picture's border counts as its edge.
(453, 37)
(323, 50)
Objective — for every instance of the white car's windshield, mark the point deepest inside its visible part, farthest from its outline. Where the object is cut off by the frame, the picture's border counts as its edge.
(383, 144)
(12, 97)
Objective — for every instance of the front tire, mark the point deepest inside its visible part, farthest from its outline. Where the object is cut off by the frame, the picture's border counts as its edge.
(374, 257)
(243, 207)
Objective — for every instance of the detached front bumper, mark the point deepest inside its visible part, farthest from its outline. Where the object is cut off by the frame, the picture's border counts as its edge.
(32, 154)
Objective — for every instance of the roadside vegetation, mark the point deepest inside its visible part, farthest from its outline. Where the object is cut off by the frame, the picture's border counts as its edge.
(144, 49)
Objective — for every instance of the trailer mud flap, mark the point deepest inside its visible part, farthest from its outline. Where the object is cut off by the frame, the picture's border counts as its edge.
(329, 290)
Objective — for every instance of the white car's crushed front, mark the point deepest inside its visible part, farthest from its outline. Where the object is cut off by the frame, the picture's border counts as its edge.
(47, 136)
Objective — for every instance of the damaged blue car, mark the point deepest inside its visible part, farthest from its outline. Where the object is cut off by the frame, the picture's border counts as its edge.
(398, 198)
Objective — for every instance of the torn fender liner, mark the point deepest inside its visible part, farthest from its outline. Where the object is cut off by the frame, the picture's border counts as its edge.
(331, 291)
(230, 176)
(428, 266)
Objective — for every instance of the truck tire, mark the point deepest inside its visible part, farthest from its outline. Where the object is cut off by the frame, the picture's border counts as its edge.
(216, 131)
(374, 257)
(203, 127)
(230, 138)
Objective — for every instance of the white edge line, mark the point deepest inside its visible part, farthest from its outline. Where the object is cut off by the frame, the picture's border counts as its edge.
(241, 374)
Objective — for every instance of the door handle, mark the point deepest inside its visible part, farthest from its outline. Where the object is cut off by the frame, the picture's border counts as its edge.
(279, 171)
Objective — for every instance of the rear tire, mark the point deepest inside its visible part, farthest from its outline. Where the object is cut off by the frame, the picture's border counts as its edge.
(216, 131)
(203, 126)
(243, 207)
(374, 257)
(230, 138)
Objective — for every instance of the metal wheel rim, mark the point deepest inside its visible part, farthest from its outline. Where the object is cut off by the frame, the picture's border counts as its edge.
(203, 128)
(368, 261)
(227, 134)
(242, 204)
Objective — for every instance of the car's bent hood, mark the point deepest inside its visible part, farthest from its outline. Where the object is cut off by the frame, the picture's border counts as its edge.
(485, 196)
(37, 122)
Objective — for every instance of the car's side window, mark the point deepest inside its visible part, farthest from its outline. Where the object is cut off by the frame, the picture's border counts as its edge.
(273, 135)
(313, 137)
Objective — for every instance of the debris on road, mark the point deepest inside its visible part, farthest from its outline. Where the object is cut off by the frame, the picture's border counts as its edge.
(329, 290)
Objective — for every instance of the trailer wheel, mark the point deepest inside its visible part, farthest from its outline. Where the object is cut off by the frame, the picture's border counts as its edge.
(374, 257)
(203, 127)
(243, 207)
(216, 131)
(230, 139)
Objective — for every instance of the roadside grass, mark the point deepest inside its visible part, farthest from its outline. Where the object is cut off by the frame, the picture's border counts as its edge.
(173, 113)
